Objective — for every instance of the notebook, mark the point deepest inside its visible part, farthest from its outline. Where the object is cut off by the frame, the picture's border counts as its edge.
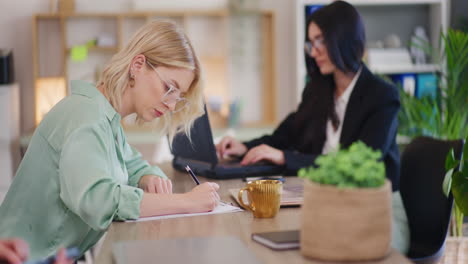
(292, 195)
(201, 156)
(222, 208)
(194, 250)
(278, 240)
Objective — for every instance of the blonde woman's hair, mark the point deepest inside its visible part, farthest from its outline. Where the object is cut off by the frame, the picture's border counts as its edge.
(163, 43)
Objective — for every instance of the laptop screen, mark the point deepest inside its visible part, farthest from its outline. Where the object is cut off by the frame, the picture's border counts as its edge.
(201, 148)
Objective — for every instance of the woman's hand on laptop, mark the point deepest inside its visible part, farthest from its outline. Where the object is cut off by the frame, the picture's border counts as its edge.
(263, 152)
(155, 184)
(203, 197)
(229, 146)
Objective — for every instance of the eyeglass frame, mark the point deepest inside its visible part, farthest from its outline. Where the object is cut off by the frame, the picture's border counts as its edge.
(172, 88)
(318, 43)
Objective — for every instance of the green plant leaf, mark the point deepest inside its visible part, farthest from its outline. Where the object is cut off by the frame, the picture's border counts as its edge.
(447, 184)
(464, 168)
(465, 147)
(460, 191)
(450, 161)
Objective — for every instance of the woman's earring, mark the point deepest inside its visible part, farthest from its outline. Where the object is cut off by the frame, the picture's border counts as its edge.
(132, 80)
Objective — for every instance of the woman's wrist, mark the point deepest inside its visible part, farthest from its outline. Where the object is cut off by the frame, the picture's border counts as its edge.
(160, 204)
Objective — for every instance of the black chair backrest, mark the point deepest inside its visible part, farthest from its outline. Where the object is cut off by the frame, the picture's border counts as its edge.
(427, 208)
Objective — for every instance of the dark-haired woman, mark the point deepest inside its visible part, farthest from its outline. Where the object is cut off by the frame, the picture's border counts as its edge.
(343, 102)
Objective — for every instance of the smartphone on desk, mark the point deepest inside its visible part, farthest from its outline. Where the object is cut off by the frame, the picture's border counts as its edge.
(278, 240)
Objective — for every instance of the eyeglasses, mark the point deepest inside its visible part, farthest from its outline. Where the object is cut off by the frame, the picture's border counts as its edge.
(172, 95)
(318, 43)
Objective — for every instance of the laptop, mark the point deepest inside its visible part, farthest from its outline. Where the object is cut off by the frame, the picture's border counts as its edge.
(200, 155)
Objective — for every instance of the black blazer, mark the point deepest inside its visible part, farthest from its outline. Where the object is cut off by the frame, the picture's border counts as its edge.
(371, 116)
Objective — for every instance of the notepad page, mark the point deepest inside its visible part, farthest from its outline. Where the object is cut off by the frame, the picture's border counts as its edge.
(220, 209)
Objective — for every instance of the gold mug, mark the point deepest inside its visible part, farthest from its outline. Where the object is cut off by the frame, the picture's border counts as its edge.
(264, 197)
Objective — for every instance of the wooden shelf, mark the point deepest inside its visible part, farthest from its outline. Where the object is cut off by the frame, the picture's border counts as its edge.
(168, 13)
(378, 2)
(53, 30)
(50, 76)
(99, 49)
(415, 68)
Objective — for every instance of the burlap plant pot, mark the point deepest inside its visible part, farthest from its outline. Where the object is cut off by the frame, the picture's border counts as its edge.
(346, 224)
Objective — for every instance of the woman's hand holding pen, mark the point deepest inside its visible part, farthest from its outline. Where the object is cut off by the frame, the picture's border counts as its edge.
(230, 146)
(203, 197)
(155, 184)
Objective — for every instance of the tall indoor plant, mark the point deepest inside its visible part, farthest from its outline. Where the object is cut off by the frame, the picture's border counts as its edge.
(445, 115)
(456, 181)
(342, 196)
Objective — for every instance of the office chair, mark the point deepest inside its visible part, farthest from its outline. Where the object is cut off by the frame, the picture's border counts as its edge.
(427, 208)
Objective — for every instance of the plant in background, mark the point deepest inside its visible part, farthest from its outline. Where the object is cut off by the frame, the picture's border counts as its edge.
(356, 167)
(456, 180)
(444, 116)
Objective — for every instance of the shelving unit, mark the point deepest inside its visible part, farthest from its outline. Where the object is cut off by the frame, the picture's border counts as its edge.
(382, 17)
(415, 68)
(55, 34)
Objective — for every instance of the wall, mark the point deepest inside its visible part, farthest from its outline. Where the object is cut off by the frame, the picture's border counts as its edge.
(285, 52)
(15, 30)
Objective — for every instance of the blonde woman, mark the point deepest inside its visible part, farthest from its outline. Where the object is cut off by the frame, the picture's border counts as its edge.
(79, 174)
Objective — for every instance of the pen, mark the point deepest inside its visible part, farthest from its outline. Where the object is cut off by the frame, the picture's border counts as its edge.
(195, 179)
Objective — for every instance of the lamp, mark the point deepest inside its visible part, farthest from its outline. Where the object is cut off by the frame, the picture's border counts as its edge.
(49, 91)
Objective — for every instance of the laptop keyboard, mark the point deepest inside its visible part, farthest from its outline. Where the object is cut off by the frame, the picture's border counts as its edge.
(236, 163)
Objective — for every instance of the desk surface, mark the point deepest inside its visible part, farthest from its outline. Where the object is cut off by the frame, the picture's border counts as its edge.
(240, 225)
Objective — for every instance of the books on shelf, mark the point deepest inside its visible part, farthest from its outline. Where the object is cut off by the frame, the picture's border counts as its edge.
(426, 85)
(419, 85)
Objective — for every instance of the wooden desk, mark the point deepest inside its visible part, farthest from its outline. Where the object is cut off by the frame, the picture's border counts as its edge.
(241, 225)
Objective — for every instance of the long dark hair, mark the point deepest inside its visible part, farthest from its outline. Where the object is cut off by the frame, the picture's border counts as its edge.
(344, 37)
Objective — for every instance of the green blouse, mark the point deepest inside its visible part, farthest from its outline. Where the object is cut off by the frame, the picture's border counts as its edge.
(78, 175)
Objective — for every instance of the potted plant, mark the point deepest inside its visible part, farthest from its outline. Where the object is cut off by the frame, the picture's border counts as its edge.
(444, 116)
(342, 195)
(456, 181)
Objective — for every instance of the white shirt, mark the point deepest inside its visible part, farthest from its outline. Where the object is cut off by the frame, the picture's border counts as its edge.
(333, 137)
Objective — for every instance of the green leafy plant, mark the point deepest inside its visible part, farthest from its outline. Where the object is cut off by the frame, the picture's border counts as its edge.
(456, 180)
(444, 116)
(356, 167)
